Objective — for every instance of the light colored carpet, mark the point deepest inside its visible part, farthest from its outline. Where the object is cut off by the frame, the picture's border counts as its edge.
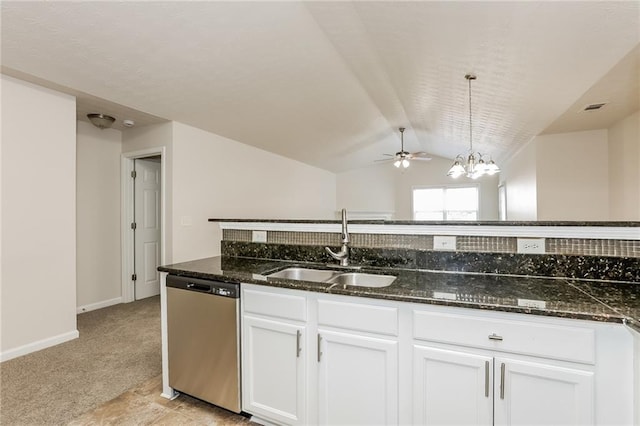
(118, 348)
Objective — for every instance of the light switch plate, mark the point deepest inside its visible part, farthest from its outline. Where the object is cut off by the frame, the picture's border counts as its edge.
(259, 236)
(444, 243)
(531, 245)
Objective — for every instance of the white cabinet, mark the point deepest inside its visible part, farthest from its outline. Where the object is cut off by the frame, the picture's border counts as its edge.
(358, 379)
(313, 358)
(493, 369)
(459, 388)
(274, 356)
(528, 393)
(451, 387)
(274, 372)
(357, 361)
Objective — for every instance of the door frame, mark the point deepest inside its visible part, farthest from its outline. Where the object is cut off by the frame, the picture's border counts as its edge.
(126, 215)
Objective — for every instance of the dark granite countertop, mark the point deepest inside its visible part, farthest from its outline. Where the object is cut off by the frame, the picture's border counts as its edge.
(578, 299)
(435, 222)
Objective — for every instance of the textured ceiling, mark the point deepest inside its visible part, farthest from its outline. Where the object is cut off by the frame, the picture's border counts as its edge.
(329, 83)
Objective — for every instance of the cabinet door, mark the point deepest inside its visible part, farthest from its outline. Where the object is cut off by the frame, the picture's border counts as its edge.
(539, 394)
(451, 387)
(274, 385)
(358, 379)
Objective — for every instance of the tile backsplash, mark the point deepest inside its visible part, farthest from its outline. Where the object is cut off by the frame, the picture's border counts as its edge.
(475, 244)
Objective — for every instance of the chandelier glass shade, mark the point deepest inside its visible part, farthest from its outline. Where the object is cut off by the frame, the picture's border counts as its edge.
(473, 166)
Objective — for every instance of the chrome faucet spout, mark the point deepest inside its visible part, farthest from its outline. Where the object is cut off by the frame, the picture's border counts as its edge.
(345, 232)
(343, 254)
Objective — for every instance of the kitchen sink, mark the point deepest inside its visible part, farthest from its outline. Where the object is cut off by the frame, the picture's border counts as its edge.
(356, 279)
(304, 274)
(360, 279)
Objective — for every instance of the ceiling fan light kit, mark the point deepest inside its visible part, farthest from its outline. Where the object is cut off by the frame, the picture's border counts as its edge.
(402, 158)
(474, 166)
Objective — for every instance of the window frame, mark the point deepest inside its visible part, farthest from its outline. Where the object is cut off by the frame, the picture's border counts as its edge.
(445, 187)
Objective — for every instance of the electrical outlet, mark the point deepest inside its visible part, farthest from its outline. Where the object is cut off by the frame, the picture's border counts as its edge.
(444, 243)
(531, 245)
(259, 236)
(528, 303)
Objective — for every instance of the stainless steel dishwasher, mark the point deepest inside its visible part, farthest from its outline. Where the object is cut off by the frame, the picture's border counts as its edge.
(204, 340)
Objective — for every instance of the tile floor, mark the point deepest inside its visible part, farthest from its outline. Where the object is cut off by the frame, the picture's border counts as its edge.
(143, 405)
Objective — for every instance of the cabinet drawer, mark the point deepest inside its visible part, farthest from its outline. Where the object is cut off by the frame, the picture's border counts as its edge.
(355, 316)
(560, 342)
(275, 305)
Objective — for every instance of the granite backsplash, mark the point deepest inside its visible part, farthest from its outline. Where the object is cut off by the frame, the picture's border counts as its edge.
(610, 260)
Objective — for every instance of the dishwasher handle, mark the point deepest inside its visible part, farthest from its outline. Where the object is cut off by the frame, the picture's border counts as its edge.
(199, 287)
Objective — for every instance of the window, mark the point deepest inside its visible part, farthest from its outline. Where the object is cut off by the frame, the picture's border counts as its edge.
(448, 203)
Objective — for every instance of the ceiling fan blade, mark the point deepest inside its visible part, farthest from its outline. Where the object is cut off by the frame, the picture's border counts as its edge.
(389, 155)
(421, 158)
(384, 160)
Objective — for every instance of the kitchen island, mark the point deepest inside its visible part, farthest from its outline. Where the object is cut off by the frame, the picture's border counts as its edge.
(411, 349)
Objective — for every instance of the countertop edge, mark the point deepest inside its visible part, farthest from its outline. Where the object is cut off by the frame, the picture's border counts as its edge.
(627, 224)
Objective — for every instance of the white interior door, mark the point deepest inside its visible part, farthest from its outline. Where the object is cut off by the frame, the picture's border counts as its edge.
(147, 229)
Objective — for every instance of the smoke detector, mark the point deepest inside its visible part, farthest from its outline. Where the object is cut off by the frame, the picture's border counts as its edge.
(128, 123)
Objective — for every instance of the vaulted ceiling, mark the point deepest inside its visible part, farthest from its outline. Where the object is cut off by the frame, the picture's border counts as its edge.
(329, 83)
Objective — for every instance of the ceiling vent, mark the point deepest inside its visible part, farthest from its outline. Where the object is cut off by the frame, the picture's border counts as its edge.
(594, 107)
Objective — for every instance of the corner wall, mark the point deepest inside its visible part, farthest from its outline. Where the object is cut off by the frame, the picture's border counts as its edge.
(572, 176)
(98, 217)
(624, 168)
(519, 178)
(38, 306)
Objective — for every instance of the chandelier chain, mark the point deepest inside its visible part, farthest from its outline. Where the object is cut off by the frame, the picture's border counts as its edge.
(470, 120)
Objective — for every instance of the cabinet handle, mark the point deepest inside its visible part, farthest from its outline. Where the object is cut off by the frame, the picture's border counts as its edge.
(502, 367)
(486, 379)
(298, 348)
(494, 336)
(319, 351)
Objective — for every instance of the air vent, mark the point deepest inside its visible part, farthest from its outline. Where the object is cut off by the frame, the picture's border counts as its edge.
(593, 107)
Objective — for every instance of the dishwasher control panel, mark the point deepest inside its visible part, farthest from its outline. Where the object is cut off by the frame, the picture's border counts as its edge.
(222, 292)
(216, 288)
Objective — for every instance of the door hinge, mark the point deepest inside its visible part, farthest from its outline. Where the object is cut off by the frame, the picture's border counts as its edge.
(134, 277)
(133, 225)
(134, 174)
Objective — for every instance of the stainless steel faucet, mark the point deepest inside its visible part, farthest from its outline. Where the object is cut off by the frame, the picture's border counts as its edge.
(343, 254)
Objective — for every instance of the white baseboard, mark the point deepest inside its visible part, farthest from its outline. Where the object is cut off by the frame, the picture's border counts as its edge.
(39, 345)
(99, 305)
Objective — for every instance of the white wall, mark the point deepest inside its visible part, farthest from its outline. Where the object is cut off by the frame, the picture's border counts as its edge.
(38, 218)
(518, 175)
(98, 216)
(215, 177)
(624, 168)
(572, 176)
(369, 189)
(382, 187)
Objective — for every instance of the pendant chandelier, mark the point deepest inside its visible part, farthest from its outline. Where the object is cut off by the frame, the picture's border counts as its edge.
(474, 166)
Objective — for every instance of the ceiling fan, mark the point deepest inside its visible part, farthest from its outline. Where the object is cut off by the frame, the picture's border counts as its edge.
(402, 157)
